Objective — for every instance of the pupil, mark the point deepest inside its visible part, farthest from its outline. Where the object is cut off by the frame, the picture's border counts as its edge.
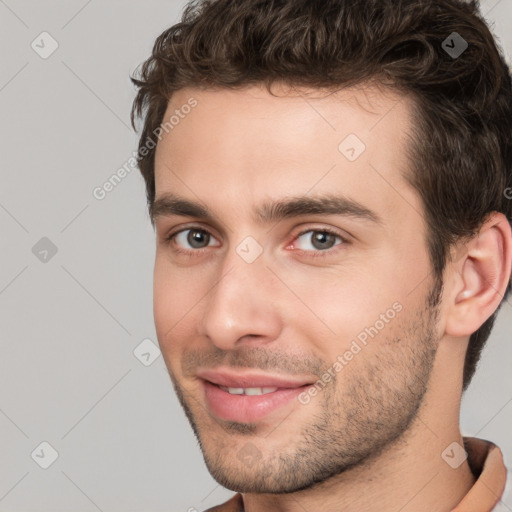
(196, 237)
(322, 237)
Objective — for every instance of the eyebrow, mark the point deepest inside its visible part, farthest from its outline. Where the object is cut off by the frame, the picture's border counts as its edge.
(270, 211)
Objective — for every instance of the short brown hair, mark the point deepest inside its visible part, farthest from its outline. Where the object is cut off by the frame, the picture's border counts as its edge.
(461, 155)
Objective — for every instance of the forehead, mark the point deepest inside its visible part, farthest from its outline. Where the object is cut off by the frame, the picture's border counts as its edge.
(248, 144)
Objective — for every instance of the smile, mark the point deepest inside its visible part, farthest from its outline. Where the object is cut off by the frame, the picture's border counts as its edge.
(248, 391)
(249, 396)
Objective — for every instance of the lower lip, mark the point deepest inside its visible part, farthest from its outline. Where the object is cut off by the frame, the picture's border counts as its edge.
(246, 408)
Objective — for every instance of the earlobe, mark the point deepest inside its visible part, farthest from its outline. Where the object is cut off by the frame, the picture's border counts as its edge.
(482, 277)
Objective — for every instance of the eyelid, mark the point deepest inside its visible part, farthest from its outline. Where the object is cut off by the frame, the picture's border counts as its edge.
(343, 235)
(327, 252)
(170, 237)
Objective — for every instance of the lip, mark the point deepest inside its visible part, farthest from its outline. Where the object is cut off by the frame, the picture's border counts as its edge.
(230, 379)
(247, 408)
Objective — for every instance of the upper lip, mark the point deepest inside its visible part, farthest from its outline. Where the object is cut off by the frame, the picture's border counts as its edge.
(230, 379)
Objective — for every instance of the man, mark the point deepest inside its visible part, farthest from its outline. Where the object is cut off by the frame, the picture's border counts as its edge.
(329, 183)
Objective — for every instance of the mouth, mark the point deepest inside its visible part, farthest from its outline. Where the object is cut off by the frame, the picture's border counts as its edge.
(247, 397)
(248, 391)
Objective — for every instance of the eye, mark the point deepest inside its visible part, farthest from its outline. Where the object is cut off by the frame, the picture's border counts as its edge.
(320, 240)
(195, 237)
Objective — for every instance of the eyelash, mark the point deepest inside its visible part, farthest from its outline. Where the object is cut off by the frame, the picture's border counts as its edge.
(315, 254)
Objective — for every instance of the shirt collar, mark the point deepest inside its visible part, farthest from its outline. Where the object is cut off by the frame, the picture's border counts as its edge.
(486, 462)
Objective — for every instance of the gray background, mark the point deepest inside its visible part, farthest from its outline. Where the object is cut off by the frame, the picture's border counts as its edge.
(70, 323)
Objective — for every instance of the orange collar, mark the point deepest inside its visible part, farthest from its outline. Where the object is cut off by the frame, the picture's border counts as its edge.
(486, 461)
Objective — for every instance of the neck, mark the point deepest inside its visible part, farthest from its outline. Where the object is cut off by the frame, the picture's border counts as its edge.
(410, 475)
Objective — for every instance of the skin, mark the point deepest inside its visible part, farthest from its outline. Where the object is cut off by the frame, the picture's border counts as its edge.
(376, 432)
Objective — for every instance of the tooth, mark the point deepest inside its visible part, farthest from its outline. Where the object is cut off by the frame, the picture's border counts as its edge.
(236, 391)
(248, 391)
(253, 391)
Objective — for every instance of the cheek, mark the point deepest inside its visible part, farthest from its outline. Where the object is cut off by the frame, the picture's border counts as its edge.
(170, 305)
(362, 304)
(162, 296)
(178, 296)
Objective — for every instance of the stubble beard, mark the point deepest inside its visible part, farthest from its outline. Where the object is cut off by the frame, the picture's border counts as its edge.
(351, 426)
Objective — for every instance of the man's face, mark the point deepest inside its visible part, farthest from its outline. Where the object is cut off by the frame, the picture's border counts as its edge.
(322, 325)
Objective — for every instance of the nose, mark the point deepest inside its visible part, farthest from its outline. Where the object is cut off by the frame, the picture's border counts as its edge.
(241, 307)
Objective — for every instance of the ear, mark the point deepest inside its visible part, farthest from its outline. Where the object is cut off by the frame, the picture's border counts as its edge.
(479, 277)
